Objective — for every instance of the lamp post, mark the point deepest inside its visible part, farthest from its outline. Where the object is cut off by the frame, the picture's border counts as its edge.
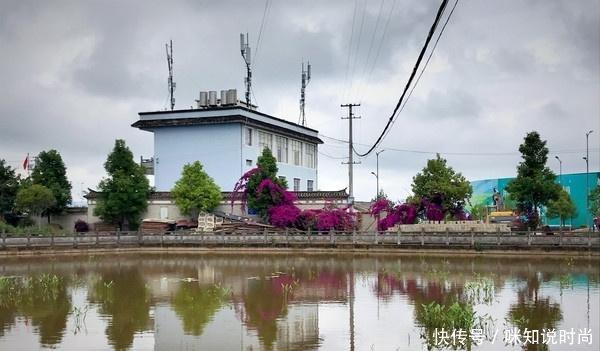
(377, 174)
(587, 177)
(559, 170)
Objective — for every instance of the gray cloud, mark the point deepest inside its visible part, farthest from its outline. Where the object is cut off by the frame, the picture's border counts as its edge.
(76, 73)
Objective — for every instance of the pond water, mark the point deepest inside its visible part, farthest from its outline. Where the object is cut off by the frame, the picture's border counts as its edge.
(298, 302)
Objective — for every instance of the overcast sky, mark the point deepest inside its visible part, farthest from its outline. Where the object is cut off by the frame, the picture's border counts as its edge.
(76, 73)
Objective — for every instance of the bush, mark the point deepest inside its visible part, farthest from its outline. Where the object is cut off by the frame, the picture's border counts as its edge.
(81, 226)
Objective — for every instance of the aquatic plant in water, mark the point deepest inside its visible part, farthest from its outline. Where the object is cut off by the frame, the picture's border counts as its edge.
(481, 290)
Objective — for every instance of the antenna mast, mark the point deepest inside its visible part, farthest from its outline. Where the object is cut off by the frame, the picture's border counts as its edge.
(172, 84)
(245, 50)
(305, 80)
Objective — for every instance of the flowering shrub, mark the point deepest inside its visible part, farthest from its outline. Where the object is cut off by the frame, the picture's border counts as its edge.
(81, 226)
(241, 187)
(283, 215)
(434, 212)
(278, 195)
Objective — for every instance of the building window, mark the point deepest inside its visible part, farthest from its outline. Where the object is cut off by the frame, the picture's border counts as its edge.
(310, 155)
(296, 184)
(265, 140)
(281, 149)
(248, 162)
(249, 136)
(296, 153)
(309, 185)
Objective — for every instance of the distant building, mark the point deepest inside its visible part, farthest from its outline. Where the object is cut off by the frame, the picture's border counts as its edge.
(574, 184)
(227, 138)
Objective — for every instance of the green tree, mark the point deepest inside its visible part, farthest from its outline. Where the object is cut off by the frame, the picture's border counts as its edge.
(439, 178)
(562, 207)
(195, 190)
(535, 183)
(124, 194)
(50, 171)
(9, 186)
(478, 211)
(594, 199)
(35, 199)
(267, 165)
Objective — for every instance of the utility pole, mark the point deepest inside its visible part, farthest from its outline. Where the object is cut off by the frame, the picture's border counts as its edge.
(350, 162)
(245, 50)
(587, 177)
(169, 48)
(305, 80)
(559, 170)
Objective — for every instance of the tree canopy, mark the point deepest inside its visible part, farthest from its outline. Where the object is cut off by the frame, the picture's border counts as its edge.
(438, 179)
(35, 199)
(9, 186)
(124, 193)
(50, 171)
(594, 199)
(195, 190)
(267, 169)
(535, 184)
(562, 207)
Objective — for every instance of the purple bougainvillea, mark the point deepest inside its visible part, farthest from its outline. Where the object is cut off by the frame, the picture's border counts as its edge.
(434, 212)
(240, 190)
(283, 216)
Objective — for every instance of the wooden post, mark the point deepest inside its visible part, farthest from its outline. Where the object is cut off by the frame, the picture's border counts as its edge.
(472, 236)
(398, 237)
(309, 233)
(447, 236)
(331, 237)
(498, 236)
(28, 238)
(422, 236)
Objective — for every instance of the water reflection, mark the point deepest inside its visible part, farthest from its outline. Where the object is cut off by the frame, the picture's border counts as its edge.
(43, 301)
(283, 302)
(123, 296)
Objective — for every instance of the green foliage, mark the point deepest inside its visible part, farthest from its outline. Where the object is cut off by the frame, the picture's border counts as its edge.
(594, 199)
(535, 183)
(562, 207)
(35, 199)
(195, 190)
(197, 305)
(381, 195)
(453, 317)
(438, 178)
(267, 165)
(124, 194)
(9, 186)
(50, 171)
(478, 211)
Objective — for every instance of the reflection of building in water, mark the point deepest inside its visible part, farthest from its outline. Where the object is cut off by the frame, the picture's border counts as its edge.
(300, 329)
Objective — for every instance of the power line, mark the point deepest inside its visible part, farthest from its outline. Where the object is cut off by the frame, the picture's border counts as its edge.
(426, 62)
(372, 41)
(360, 30)
(412, 75)
(350, 46)
(513, 153)
(385, 28)
(260, 31)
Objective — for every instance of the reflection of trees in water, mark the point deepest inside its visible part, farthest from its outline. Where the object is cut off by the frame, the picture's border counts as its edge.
(42, 298)
(123, 295)
(533, 311)
(196, 305)
(264, 303)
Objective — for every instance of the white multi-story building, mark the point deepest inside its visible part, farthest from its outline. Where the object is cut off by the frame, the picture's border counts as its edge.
(228, 139)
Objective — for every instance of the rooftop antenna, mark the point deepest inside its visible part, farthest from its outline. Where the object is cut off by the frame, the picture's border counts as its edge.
(245, 50)
(305, 80)
(169, 48)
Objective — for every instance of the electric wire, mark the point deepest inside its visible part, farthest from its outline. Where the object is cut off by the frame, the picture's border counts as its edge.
(350, 48)
(410, 79)
(360, 30)
(426, 63)
(381, 41)
(260, 31)
(372, 41)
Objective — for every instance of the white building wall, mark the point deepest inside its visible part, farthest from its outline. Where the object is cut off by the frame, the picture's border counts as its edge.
(217, 147)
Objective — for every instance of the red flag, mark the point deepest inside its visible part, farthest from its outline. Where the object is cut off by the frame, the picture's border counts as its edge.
(26, 162)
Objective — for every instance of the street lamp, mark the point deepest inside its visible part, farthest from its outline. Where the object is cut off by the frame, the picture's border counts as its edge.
(587, 176)
(560, 170)
(377, 174)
